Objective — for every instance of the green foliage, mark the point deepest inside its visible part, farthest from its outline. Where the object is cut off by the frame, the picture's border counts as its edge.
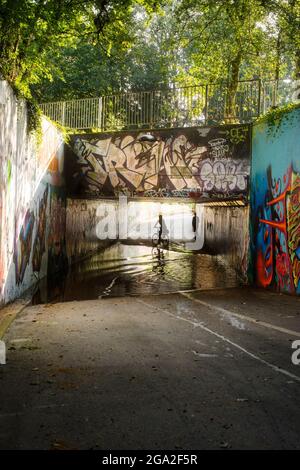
(276, 116)
(31, 31)
(244, 38)
(140, 61)
(65, 131)
(34, 120)
(65, 49)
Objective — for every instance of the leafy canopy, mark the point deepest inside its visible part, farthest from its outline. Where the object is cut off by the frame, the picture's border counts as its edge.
(64, 49)
(34, 32)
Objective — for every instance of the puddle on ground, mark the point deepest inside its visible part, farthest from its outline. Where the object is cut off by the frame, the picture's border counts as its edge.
(134, 270)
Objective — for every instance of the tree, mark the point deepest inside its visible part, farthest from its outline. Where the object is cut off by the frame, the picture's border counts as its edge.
(141, 60)
(245, 38)
(57, 49)
(33, 30)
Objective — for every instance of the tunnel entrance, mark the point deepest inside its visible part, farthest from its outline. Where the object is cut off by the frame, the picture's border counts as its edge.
(203, 246)
(130, 269)
(179, 174)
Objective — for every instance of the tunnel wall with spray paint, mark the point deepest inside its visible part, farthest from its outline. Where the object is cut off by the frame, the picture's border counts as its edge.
(227, 234)
(187, 162)
(96, 223)
(32, 199)
(275, 204)
(222, 230)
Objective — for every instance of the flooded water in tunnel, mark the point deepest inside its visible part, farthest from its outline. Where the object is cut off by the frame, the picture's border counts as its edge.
(134, 270)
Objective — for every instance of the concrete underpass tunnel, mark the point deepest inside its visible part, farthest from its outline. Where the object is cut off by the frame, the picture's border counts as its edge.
(113, 248)
(155, 211)
(120, 209)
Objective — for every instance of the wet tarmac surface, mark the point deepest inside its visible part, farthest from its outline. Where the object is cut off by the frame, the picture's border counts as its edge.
(201, 370)
(138, 270)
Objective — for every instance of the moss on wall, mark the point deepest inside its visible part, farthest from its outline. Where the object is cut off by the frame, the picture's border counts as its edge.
(276, 117)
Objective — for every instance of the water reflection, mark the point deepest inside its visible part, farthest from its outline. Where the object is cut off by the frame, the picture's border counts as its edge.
(137, 269)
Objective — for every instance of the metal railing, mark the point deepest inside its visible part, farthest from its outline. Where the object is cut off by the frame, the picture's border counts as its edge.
(210, 104)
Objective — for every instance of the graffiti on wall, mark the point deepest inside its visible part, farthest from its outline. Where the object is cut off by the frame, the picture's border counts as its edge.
(39, 244)
(190, 162)
(27, 175)
(275, 212)
(23, 247)
(81, 222)
(227, 229)
(293, 228)
(278, 233)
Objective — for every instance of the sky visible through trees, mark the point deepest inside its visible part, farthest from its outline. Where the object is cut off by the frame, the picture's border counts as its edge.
(55, 49)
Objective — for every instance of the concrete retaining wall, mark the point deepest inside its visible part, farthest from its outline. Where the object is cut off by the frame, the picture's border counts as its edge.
(227, 234)
(275, 204)
(188, 162)
(32, 199)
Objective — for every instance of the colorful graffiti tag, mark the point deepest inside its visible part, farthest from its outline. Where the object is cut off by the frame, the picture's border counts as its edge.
(293, 227)
(275, 219)
(28, 173)
(278, 234)
(22, 253)
(179, 163)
